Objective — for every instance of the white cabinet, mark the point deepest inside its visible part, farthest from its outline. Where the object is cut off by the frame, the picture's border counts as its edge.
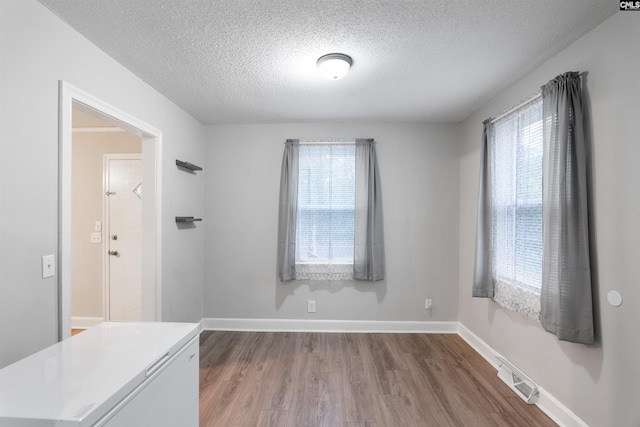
(115, 374)
(169, 398)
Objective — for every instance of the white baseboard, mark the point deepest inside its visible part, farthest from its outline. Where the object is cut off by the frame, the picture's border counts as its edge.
(294, 325)
(480, 346)
(551, 406)
(85, 322)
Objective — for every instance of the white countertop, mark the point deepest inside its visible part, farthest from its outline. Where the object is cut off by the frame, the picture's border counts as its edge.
(77, 379)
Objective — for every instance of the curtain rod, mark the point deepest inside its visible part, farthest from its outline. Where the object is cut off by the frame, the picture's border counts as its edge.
(527, 101)
(328, 141)
(537, 95)
(345, 141)
(324, 141)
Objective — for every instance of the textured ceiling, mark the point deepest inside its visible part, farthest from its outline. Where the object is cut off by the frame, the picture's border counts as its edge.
(253, 61)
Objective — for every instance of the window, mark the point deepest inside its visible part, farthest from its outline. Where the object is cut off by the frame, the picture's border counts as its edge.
(516, 174)
(328, 229)
(326, 212)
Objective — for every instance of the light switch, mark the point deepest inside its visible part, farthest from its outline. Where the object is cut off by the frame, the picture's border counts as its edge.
(48, 266)
(96, 237)
(98, 226)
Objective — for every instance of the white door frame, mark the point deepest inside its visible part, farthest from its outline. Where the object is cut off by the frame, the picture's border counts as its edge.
(70, 96)
(106, 224)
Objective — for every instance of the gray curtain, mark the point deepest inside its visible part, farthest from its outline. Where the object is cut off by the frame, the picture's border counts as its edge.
(288, 211)
(566, 300)
(482, 276)
(368, 258)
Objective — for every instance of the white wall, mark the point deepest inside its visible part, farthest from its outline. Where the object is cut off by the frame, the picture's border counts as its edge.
(419, 174)
(598, 384)
(37, 50)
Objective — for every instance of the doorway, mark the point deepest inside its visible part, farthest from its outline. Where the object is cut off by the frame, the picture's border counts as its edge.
(93, 139)
(151, 231)
(123, 232)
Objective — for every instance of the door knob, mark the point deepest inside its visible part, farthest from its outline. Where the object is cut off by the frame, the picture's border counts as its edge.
(114, 237)
(114, 253)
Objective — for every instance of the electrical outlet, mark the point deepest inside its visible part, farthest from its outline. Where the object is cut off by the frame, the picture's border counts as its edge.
(96, 237)
(311, 306)
(428, 306)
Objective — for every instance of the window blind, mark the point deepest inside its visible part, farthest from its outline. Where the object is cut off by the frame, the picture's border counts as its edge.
(326, 204)
(516, 155)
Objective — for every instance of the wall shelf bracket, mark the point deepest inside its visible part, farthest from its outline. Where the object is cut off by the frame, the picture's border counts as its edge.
(187, 165)
(187, 219)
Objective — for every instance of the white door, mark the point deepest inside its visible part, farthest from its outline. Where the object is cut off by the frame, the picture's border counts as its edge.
(123, 218)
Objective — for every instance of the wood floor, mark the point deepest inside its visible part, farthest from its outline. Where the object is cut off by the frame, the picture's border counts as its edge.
(352, 380)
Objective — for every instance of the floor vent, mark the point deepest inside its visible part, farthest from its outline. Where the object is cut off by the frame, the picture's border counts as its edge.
(517, 381)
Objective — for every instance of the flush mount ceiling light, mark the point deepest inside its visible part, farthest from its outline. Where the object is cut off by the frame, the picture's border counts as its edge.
(334, 66)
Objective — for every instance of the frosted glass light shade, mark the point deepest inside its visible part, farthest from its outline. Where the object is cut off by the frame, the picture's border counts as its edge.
(334, 66)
